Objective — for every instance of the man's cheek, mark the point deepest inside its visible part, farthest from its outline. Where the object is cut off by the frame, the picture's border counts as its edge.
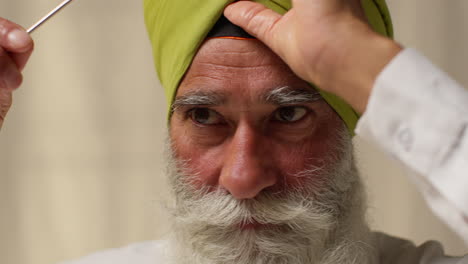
(302, 163)
(202, 167)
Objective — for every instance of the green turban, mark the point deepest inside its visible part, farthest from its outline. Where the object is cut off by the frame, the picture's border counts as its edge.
(177, 28)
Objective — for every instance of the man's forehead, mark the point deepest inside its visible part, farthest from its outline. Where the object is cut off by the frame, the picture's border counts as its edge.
(229, 46)
(234, 55)
(225, 68)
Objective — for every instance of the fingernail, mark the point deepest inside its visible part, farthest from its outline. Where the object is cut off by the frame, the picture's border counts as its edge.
(13, 78)
(18, 38)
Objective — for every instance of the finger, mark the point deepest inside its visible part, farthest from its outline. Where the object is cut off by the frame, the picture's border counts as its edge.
(10, 76)
(15, 40)
(20, 59)
(5, 104)
(254, 18)
(13, 37)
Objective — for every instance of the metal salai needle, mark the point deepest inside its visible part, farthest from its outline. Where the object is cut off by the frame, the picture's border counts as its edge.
(49, 15)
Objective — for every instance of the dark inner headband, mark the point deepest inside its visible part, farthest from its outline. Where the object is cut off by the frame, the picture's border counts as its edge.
(225, 29)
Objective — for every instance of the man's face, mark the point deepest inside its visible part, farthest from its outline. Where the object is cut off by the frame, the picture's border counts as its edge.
(262, 166)
(246, 123)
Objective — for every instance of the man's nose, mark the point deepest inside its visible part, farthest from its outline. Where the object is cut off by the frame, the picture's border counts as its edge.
(247, 166)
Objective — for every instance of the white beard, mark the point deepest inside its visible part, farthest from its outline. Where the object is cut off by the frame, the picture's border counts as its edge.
(323, 223)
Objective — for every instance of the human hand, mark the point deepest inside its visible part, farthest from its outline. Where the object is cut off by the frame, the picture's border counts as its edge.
(16, 47)
(326, 42)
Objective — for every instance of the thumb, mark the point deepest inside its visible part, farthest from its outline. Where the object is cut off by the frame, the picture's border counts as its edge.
(258, 20)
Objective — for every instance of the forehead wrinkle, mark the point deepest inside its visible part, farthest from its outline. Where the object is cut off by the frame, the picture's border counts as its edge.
(231, 46)
(287, 95)
(241, 64)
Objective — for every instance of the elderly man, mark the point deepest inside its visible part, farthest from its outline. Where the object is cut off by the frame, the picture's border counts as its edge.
(261, 161)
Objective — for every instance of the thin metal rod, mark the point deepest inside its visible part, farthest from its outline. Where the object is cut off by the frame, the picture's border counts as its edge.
(49, 15)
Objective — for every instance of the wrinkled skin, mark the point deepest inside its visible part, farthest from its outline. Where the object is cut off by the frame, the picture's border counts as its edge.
(243, 144)
(16, 46)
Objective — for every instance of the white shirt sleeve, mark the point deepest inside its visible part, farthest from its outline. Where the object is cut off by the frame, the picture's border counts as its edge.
(419, 115)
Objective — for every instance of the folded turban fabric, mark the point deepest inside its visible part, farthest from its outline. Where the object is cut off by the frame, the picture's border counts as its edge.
(177, 28)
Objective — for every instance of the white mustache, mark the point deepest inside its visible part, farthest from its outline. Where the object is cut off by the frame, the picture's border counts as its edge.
(221, 210)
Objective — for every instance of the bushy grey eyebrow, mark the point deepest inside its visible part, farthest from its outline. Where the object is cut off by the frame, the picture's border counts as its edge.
(286, 95)
(198, 98)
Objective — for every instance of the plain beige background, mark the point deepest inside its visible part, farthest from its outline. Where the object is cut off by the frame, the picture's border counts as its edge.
(81, 165)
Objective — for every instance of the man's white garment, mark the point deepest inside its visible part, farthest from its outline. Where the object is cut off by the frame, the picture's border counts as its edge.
(391, 250)
(418, 115)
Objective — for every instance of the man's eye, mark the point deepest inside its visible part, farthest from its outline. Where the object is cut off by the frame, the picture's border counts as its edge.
(290, 114)
(205, 116)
